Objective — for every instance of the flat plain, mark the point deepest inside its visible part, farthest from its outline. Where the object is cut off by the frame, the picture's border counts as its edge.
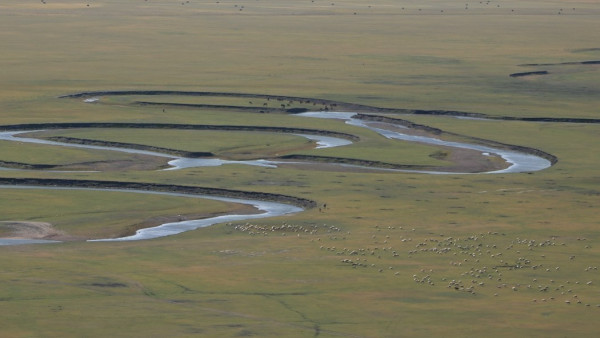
(384, 254)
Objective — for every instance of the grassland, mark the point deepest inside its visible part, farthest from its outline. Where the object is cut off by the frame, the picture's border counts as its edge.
(390, 254)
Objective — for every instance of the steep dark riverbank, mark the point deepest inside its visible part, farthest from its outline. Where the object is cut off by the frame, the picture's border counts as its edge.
(75, 125)
(569, 63)
(176, 152)
(541, 72)
(320, 104)
(180, 189)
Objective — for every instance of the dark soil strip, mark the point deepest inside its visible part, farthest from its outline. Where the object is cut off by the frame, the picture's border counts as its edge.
(551, 119)
(261, 196)
(331, 104)
(594, 62)
(37, 126)
(320, 104)
(109, 285)
(74, 140)
(351, 161)
(224, 107)
(19, 165)
(553, 159)
(505, 118)
(212, 106)
(541, 72)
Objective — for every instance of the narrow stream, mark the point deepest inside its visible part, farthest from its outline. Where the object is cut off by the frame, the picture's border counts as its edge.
(265, 209)
(177, 162)
(519, 162)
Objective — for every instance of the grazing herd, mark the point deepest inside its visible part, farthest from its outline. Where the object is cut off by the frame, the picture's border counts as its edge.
(482, 265)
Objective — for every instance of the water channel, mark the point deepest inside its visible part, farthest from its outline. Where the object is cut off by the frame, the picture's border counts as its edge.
(518, 162)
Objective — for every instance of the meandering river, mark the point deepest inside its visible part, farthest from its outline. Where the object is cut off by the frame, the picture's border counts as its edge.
(518, 162)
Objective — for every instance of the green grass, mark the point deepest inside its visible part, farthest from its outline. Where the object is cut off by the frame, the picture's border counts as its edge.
(221, 143)
(221, 281)
(97, 214)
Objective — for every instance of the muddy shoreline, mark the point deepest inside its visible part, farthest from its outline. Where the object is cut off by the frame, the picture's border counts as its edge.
(24, 230)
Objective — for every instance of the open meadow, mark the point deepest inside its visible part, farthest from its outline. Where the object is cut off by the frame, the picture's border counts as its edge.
(396, 238)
